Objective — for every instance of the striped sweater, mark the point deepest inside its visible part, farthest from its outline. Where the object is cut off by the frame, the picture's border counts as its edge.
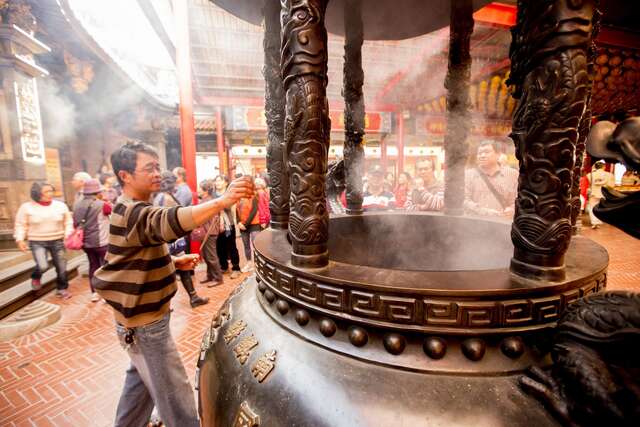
(138, 278)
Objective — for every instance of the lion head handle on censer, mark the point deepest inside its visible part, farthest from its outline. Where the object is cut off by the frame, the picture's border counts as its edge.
(618, 143)
(595, 378)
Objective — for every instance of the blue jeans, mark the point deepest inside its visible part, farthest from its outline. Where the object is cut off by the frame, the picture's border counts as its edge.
(247, 241)
(156, 377)
(56, 249)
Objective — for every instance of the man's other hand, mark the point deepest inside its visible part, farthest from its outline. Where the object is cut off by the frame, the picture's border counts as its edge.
(186, 262)
(238, 189)
(22, 245)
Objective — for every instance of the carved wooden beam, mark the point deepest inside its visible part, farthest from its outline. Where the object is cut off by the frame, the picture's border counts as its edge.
(307, 128)
(274, 112)
(354, 105)
(549, 56)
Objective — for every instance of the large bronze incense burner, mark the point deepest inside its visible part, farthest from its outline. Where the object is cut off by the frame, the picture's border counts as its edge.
(426, 330)
(397, 319)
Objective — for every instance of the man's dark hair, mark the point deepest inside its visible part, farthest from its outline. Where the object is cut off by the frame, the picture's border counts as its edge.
(125, 157)
(36, 190)
(222, 177)
(494, 144)
(599, 165)
(104, 176)
(208, 187)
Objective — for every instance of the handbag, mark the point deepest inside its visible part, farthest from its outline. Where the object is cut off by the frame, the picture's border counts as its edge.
(198, 234)
(75, 240)
(201, 234)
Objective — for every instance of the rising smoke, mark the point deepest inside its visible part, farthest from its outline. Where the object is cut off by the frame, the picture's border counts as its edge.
(58, 113)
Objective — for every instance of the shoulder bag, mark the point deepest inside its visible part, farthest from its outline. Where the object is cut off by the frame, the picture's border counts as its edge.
(75, 240)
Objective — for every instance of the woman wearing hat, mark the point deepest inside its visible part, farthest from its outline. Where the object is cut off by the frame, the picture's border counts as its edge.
(92, 214)
(44, 222)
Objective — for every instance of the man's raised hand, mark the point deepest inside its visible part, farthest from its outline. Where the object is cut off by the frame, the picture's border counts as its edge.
(239, 188)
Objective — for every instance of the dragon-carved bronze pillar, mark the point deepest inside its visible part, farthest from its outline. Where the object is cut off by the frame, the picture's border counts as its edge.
(458, 120)
(307, 128)
(353, 105)
(585, 126)
(274, 112)
(549, 56)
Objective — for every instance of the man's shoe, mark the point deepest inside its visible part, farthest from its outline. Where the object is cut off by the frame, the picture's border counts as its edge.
(218, 283)
(234, 274)
(36, 284)
(197, 301)
(247, 267)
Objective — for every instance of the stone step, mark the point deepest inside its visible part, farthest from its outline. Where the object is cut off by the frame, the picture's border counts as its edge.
(42, 314)
(30, 311)
(19, 294)
(9, 258)
(20, 265)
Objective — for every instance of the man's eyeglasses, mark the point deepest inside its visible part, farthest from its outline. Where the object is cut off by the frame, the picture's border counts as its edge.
(150, 169)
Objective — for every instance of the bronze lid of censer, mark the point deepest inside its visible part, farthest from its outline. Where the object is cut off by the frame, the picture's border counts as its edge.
(382, 19)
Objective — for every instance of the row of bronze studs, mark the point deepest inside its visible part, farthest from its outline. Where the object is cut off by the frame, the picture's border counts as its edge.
(434, 347)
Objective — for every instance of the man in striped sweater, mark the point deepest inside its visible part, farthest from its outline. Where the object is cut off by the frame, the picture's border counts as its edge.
(138, 281)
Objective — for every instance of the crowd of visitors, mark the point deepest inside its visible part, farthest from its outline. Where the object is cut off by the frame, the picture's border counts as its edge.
(490, 187)
(43, 224)
(123, 219)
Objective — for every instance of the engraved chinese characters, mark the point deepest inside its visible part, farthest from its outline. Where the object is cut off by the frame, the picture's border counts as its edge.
(307, 127)
(245, 346)
(246, 417)
(234, 330)
(549, 55)
(263, 367)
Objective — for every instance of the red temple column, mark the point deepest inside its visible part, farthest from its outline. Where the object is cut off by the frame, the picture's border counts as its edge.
(183, 70)
(220, 141)
(383, 155)
(400, 145)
